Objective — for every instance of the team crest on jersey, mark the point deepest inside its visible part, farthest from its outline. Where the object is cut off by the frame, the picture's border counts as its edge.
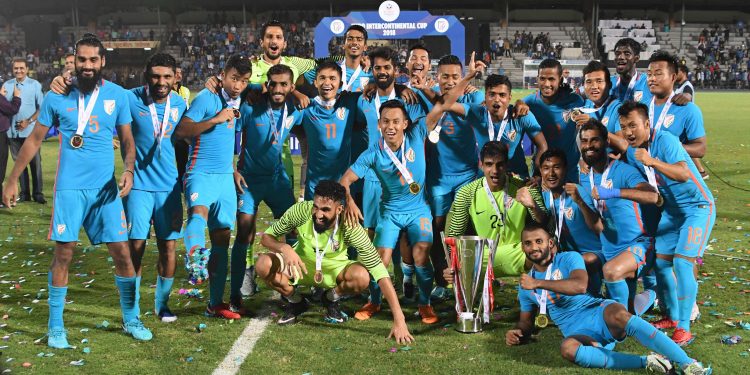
(512, 135)
(608, 184)
(410, 154)
(174, 113)
(557, 275)
(341, 113)
(605, 120)
(668, 120)
(569, 213)
(109, 106)
(193, 197)
(637, 96)
(60, 228)
(289, 122)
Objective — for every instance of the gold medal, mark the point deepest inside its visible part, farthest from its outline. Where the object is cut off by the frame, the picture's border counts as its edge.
(414, 188)
(576, 112)
(318, 276)
(659, 201)
(76, 141)
(541, 321)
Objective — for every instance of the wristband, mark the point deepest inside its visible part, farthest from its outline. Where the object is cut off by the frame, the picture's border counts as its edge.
(130, 171)
(605, 193)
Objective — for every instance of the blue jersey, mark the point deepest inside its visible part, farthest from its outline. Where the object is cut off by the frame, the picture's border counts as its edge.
(455, 153)
(367, 114)
(558, 128)
(563, 309)
(621, 217)
(155, 168)
(575, 234)
(329, 138)
(212, 150)
(359, 82)
(684, 121)
(261, 151)
(396, 195)
(679, 197)
(639, 93)
(92, 165)
(607, 114)
(513, 134)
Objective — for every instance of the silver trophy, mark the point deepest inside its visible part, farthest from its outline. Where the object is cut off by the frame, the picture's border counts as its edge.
(472, 283)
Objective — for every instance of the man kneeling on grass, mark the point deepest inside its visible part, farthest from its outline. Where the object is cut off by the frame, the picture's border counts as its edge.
(590, 325)
(323, 237)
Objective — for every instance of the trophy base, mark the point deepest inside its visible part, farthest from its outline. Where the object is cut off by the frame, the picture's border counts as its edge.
(469, 325)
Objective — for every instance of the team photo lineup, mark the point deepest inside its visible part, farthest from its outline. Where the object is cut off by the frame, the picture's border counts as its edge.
(423, 182)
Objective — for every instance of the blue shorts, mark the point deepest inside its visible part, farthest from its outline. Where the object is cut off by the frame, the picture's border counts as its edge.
(162, 208)
(441, 192)
(372, 193)
(98, 211)
(276, 191)
(641, 252)
(216, 192)
(685, 234)
(417, 224)
(590, 322)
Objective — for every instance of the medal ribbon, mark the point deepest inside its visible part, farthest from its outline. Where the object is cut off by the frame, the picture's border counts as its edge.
(391, 96)
(325, 103)
(597, 202)
(158, 130)
(84, 111)
(278, 133)
(657, 125)
(491, 126)
(400, 164)
(507, 200)
(542, 300)
(319, 254)
(348, 84)
(650, 173)
(631, 85)
(560, 212)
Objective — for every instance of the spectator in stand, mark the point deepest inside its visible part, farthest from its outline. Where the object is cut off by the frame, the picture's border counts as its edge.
(506, 48)
(8, 109)
(22, 125)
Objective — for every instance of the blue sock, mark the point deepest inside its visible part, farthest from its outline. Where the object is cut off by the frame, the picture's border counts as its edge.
(137, 296)
(687, 289)
(195, 232)
(597, 357)
(376, 296)
(237, 268)
(424, 282)
(649, 280)
(650, 337)
(126, 285)
(56, 302)
(161, 296)
(618, 291)
(408, 271)
(667, 288)
(218, 275)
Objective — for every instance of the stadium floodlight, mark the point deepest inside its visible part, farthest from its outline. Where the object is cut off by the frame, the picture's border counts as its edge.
(147, 48)
(110, 49)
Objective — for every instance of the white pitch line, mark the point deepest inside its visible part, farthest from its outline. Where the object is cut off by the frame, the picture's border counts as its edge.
(243, 346)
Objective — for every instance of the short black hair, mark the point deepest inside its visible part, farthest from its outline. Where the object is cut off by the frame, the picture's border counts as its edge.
(394, 103)
(90, 40)
(328, 64)
(683, 68)
(596, 125)
(494, 80)
(240, 63)
(551, 63)
(492, 149)
(554, 153)
(662, 55)
(357, 28)
(384, 53)
(331, 190)
(630, 106)
(272, 23)
(532, 225)
(598, 66)
(69, 54)
(280, 69)
(630, 43)
(449, 60)
(419, 46)
(161, 59)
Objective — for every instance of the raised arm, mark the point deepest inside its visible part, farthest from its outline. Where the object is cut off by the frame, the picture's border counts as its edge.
(190, 129)
(573, 285)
